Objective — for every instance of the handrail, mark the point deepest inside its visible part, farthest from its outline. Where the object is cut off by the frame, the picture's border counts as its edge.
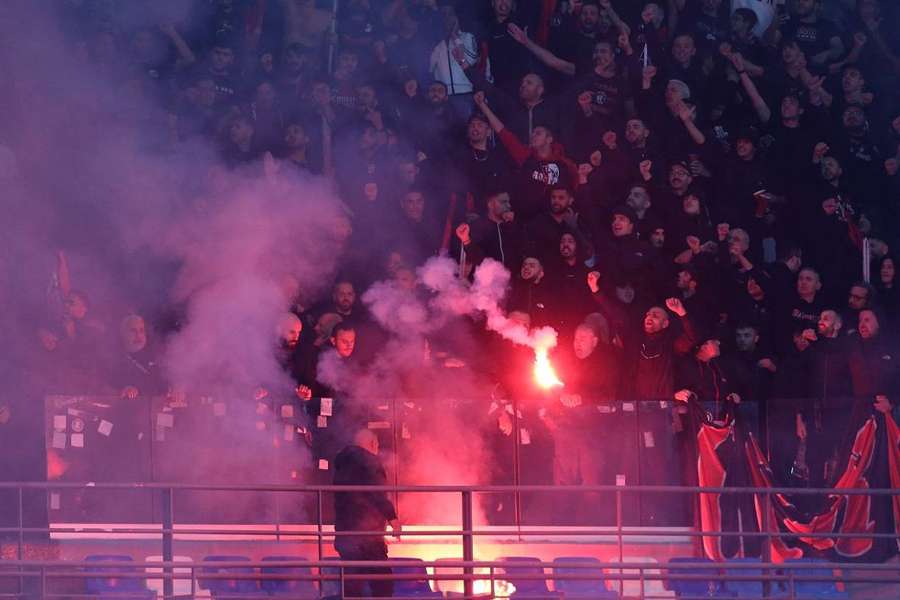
(606, 531)
(634, 489)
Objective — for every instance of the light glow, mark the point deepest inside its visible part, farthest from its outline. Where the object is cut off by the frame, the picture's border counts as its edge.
(544, 373)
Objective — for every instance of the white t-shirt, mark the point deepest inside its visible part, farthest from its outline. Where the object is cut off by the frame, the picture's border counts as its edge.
(764, 9)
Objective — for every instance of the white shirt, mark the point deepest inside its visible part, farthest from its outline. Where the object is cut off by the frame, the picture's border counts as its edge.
(444, 67)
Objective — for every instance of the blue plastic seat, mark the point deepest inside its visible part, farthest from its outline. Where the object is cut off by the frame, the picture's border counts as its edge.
(807, 567)
(228, 588)
(332, 587)
(581, 588)
(418, 588)
(297, 588)
(515, 567)
(708, 588)
(751, 589)
(108, 584)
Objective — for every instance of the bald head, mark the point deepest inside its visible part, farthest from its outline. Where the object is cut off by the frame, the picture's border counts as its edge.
(367, 440)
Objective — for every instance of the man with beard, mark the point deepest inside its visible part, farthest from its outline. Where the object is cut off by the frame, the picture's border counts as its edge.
(825, 420)
(572, 302)
(648, 373)
(545, 229)
(135, 370)
(497, 235)
(530, 292)
(873, 368)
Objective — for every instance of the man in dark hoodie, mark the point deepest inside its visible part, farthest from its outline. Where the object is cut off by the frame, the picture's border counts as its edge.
(358, 464)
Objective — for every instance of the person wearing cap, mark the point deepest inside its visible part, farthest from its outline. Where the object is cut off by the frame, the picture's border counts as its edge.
(621, 255)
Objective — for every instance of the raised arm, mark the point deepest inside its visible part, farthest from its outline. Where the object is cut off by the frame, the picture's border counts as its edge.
(541, 53)
(185, 54)
(759, 104)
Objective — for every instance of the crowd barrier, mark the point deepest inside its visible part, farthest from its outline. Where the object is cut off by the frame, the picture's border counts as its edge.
(480, 578)
(160, 439)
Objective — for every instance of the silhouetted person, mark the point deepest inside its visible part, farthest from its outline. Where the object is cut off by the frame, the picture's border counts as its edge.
(358, 464)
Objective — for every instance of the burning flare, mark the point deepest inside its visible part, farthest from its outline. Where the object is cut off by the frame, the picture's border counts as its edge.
(544, 373)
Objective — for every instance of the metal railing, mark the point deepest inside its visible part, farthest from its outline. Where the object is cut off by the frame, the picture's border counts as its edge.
(784, 575)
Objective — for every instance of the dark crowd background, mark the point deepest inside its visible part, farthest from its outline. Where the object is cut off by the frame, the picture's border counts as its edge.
(692, 193)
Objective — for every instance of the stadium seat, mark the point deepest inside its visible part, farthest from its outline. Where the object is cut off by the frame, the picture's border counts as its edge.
(296, 588)
(580, 588)
(181, 587)
(751, 589)
(107, 584)
(709, 588)
(227, 588)
(807, 567)
(515, 567)
(419, 588)
(632, 588)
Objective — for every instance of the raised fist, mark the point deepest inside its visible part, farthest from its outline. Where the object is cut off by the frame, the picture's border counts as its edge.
(593, 281)
(675, 305)
(609, 139)
(463, 233)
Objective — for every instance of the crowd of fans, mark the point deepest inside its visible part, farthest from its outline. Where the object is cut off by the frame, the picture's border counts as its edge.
(687, 191)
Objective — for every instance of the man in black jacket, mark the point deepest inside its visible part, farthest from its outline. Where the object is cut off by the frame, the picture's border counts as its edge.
(358, 464)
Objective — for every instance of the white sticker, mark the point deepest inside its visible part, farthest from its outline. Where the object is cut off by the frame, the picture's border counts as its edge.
(160, 434)
(260, 425)
(326, 407)
(323, 464)
(105, 427)
(59, 440)
(321, 422)
(287, 411)
(648, 439)
(54, 500)
(219, 409)
(524, 436)
(73, 411)
(77, 440)
(663, 403)
(604, 408)
(165, 420)
(404, 432)
(288, 432)
(620, 480)
(59, 422)
(628, 406)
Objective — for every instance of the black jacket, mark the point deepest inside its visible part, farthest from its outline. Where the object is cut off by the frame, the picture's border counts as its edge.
(360, 511)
